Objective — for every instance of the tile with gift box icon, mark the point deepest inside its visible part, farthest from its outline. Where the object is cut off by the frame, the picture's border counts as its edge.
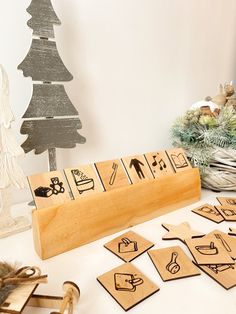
(112, 174)
(137, 168)
(228, 212)
(128, 246)
(208, 250)
(172, 263)
(83, 180)
(178, 159)
(49, 189)
(227, 200)
(127, 285)
(159, 164)
(224, 274)
(210, 212)
(228, 242)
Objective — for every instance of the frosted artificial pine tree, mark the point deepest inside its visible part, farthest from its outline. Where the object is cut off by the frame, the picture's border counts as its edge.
(11, 173)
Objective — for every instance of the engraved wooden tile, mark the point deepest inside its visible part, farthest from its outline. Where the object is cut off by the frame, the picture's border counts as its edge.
(178, 159)
(228, 212)
(159, 164)
(128, 246)
(228, 242)
(181, 232)
(227, 200)
(172, 263)
(127, 285)
(208, 211)
(137, 168)
(83, 181)
(208, 250)
(225, 274)
(112, 174)
(48, 189)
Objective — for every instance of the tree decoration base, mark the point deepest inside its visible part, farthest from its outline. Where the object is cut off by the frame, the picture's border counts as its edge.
(10, 226)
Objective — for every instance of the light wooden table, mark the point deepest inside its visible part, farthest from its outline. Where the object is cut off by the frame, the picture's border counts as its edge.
(83, 265)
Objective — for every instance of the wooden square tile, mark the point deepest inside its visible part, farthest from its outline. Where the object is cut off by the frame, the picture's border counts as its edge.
(137, 168)
(178, 159)
(208, 250)
(228, 242)
(172, 263)
(159, 164)
(112, 174)
(83, 181)
(228, 212)
(127, 285)
(49, 189)
(225, 274)
(128, 246)
(210, 212)
(227, 200)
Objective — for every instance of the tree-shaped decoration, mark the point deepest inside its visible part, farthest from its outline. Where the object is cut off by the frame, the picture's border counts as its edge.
(10, 171)
(52, 120)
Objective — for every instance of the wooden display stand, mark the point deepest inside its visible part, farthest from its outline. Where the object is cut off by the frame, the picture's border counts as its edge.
(66, 226)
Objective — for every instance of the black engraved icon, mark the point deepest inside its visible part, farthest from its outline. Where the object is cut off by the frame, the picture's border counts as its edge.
(134, 162)
(55, 188)
(160, 163)
(224, 243)
(220, 267)
(127, 246)
(207, 249)
(126, 282)
(228, 212)
(179, 160)
(173, 267)
(209, 210)
(231, 201)
(114, 172)
(83, 183)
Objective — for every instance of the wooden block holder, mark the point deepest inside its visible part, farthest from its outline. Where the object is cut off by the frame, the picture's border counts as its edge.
(66, 226)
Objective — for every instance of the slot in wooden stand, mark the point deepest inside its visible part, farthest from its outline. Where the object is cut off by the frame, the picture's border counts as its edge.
(66, 226)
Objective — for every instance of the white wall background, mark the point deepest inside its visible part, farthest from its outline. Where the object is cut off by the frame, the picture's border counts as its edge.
(137, 65)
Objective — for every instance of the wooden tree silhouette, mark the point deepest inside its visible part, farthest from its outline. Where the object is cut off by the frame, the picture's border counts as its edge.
(51, 120)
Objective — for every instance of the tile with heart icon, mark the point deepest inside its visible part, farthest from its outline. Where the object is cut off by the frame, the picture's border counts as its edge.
(128, 246)
(127, 285)
(172, 263)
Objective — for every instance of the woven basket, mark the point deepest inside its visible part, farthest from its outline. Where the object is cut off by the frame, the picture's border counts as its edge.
(221, 175)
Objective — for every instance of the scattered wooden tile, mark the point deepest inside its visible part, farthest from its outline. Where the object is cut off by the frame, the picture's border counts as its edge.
(127, 285)
(224, 274)
(208, 250)
(112, 174)
(128, 246)
(228, 212)
(232, 232)
(159, 164)
(228, 242)
(172, 263)
(83, 181)
(227, 200)
(178, 159)
(137, 168)
(208, 211)
(180, 232)
(48, 189)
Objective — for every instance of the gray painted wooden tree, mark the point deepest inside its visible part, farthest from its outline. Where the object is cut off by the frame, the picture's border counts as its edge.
(51, 120)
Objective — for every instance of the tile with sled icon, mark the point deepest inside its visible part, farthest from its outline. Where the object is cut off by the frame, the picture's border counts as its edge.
(159, 164)
(210, 212)
(208, 250)
(112, 174)
(228, 212)
(224, 274)
(48, 189)
(228, 242)
(128, 246)
(172, 263)
(83, 181)
(180, 232)
(178, 159)
(127, 285)
(137, 168)
(227, 201)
